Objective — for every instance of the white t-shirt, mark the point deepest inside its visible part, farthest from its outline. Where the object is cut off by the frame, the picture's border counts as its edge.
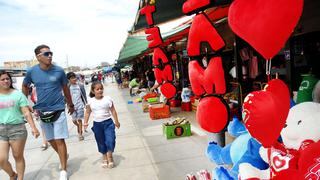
(101, 108)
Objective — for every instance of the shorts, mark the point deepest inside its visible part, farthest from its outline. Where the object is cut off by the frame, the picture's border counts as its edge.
(104, 133)
(57, 129)
(10, 132)
(78, 114)
(119, 81)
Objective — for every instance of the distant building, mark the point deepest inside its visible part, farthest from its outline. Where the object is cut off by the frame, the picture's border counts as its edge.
(105, 64)
(20, 64)
(73, 69)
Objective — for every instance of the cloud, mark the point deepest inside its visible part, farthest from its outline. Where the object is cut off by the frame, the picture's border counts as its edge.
(87, 32)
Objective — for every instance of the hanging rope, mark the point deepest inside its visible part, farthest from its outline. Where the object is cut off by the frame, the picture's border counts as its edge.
(268, 69)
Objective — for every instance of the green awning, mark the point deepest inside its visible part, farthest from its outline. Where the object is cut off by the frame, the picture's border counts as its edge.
(137, 45)
(133, 46)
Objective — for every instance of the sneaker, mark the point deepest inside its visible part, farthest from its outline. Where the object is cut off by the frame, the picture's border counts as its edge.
(63, 175)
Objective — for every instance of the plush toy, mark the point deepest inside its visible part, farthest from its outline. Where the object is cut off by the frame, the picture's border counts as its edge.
(299, 154)
(244, 149)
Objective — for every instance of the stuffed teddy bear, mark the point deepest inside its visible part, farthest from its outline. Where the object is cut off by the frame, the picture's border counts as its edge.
(243, 149)
(298, 157)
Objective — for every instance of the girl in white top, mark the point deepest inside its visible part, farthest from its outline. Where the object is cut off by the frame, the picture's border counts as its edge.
(102, 109)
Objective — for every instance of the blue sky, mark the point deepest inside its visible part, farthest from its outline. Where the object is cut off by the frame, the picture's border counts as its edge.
(86, 32)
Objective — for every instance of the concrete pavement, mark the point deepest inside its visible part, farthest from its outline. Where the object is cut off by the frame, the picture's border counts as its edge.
(142, 152)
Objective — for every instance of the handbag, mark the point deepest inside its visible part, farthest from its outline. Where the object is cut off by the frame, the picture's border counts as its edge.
(49, 116)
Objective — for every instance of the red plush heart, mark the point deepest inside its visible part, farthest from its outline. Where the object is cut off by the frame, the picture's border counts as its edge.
(212, 114)
(168, 90)
(309, 162)
(265, 24)
(265, 112)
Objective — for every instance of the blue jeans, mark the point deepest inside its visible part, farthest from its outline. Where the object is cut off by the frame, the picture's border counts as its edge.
(104, 132)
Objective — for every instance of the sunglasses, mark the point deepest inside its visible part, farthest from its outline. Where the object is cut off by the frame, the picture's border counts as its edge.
(46, 54)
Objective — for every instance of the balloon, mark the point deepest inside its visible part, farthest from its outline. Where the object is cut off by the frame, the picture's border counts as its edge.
(212, 114)
(265, 24)
(282, 97)
(265, 112)
(168, 90)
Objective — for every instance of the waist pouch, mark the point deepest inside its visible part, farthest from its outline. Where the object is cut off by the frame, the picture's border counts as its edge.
(49, 116)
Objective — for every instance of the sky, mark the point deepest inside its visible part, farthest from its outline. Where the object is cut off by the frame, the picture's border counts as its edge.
(79, 32)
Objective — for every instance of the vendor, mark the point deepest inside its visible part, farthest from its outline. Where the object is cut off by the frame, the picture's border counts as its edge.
(156, 87)
(134, 84)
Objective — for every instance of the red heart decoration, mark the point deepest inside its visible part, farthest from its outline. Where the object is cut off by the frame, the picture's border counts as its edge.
(265, 24)
(212, 114)
(278, 162)
(282, 97)
(265, 112)
(309, 162)
(168, 90)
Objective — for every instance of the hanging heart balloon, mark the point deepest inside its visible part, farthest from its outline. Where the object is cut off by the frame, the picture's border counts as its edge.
(265, 25)
(265, 112)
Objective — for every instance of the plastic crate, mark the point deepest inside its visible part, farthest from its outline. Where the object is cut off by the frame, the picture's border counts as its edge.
(149, 95)
(159, 111)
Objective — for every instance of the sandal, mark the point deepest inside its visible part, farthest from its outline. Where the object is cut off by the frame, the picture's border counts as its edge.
(110, 165)
(44, 147)
(14, 176)
(104, 164)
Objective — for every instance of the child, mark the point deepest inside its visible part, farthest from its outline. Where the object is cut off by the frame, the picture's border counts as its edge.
(79, 100)
(14, 107)
(102, 108)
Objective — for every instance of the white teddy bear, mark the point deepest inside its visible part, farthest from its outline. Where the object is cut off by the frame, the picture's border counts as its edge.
(302, 130)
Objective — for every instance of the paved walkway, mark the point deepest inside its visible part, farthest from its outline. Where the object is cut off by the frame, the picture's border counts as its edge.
(142, 152)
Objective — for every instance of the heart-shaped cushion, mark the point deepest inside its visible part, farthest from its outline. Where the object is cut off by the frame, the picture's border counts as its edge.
(265, 24)
(265, 112)
(168, 90)
(212, 114)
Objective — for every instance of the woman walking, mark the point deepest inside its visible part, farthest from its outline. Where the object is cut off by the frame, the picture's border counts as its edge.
(13, 133)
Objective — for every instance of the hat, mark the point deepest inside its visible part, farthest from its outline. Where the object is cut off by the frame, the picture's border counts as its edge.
(71, 74)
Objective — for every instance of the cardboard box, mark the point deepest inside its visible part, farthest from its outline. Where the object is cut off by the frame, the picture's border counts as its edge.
(175, 131)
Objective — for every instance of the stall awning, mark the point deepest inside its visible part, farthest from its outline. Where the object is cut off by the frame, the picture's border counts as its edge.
(136, 45)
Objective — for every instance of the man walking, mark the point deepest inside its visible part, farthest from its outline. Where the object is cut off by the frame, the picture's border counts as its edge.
(50, 81)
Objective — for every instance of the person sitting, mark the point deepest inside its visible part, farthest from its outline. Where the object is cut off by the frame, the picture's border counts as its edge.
(134, 84)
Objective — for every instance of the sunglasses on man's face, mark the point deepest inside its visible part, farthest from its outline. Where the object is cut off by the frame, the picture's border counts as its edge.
(46, 54)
